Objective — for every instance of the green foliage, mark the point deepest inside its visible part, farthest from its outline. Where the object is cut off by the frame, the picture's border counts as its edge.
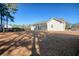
(68, 25)
(21, 26)
(11, 7)
(75, 26)
(6, 12)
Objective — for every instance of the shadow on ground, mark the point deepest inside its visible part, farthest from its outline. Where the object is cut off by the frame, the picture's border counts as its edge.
(59, 45)
(49, 45)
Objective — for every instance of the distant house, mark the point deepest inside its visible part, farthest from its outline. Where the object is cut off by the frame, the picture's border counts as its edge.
(50, 25)
(9, 26)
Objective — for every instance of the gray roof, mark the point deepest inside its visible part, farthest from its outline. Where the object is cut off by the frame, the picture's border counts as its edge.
(59, 20)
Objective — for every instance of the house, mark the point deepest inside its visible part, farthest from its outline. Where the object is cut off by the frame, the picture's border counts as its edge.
(9, 26)
(50, 25)
(5, 27)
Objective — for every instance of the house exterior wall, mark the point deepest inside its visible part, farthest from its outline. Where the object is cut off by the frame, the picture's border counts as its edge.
(38, 27)
(43, 27)
(33, 27)
(9, 26)
(52, 25)
(55, 25)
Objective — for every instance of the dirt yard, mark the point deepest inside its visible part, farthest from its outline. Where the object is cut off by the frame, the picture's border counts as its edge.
(41, 43)
(60, 44)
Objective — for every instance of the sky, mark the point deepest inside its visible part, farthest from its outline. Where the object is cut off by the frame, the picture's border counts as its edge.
(29, 13)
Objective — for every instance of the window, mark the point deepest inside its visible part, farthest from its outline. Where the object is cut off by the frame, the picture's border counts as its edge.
(51, 25)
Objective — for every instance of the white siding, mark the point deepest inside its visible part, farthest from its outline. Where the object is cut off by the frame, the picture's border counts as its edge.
(39, 27)
(33, 27)
(57, 26)
(9, 26)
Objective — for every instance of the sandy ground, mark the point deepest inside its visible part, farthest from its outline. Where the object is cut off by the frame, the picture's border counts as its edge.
(42, 43)
(60, 44)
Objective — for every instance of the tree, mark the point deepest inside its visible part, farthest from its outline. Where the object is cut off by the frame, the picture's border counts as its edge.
(75, 26)
(2, 13)
(6, 12)
(68, 24)
(8, 17)
(11, 10)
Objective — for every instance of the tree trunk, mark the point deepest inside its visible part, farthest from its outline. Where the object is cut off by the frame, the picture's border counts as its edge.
(1, 19)
(1, 22)
(7, 23)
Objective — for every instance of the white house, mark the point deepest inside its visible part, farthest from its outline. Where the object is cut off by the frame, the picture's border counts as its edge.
(50, 25)
(9, 26)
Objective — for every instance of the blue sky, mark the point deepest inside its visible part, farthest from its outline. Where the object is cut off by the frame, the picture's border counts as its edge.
(29, 13)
